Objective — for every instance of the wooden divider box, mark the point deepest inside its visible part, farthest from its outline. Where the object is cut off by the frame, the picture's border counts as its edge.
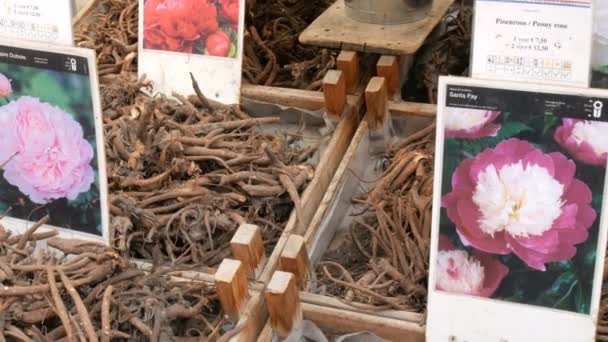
(355, 176)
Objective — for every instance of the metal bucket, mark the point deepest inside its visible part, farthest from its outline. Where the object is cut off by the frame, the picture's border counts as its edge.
(388, 12)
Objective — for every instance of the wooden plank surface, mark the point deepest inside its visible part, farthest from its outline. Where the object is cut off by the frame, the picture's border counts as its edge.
(331, 314)
(339, 322)
(334, 29)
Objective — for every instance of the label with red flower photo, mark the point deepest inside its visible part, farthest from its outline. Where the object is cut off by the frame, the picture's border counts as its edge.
(175, 32)
(518, 228)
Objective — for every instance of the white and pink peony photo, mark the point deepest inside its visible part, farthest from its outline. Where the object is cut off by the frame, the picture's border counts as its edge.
(477, 274)
(586, 141)
(466, 123)
(516, 199)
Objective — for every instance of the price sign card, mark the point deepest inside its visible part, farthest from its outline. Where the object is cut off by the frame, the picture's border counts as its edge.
(35, 20)
(519, 217)
(541, 41)
(52, 160)
(202, 37)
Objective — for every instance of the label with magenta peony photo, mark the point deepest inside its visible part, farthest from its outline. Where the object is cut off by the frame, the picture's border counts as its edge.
(51, 142)
(38, 21)
(519, 230)
(202, 37)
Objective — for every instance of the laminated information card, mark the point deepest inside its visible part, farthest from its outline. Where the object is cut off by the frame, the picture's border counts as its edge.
(52, 160)
(47, 21)
(541, 41)
(199, 37)
(519, 217)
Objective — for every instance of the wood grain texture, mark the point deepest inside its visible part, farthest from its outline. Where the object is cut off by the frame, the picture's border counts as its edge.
(348, 63)
(389, 68)
(231, 285)
(294, 259)
(334, 92)
(412, 109)
(284, 308)
(248, 247)
(376, 98)
(334, 29)
(343, 322)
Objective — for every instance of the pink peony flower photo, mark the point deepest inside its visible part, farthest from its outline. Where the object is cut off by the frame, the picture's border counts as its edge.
(48, 162)
(521, 197)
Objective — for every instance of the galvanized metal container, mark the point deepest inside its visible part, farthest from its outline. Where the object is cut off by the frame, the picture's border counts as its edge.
(388, 12)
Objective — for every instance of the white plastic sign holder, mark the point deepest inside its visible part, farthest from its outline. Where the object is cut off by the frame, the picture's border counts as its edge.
(465, 318)
(539, 41)
(45, 21)
(219, 78)
(43, 60)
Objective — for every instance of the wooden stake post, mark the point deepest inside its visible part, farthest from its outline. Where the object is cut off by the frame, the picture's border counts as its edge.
(348, 63)
(334, 92)
(294, 259)
(248, 247)
(376, 97)
(282, 299)
(231, 284)
(388, 67)
(378, 117)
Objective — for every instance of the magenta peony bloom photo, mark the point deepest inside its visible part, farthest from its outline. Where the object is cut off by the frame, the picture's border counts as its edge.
(516, 199)
(5, 86)
(46, 154)
(586, 141)
(465, 123)
(478, 274)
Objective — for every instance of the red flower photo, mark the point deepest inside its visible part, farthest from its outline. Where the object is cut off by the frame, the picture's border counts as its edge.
(204, 27)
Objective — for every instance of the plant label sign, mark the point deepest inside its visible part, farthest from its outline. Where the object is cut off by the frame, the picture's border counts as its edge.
(539, 41)
(52, 160)
(199, 37)
(38, 21)
(519, 221)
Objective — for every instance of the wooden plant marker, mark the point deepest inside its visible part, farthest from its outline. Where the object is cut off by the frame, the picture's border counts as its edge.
(348, 63)
(334, 29)
(248, 247)
(282, 299)
(294, 259)
(389, 68)
(231, 284)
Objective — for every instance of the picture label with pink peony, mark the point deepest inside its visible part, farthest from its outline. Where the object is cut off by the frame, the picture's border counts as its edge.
(37, 21)
(540, 41)
(519, 230)
(202, 37)
(51, 142)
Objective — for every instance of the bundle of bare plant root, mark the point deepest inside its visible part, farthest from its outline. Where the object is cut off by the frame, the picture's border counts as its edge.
(111, 30)
(273, 55)
(388, 266)
(184, 173)
(82, 291)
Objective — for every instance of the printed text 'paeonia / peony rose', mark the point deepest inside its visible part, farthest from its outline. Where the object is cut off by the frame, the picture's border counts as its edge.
(45, 152)
(458, 272)
(516, 199)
